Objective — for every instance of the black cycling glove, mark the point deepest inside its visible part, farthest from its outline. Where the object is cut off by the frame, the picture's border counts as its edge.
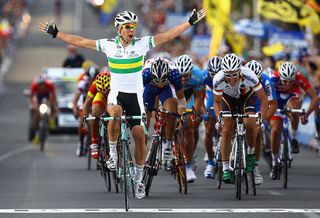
(195, 16)
(51, 29)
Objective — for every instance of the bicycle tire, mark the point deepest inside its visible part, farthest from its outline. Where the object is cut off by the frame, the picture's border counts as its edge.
(246, 183)
(219, 173)
(285, 160)
(238, 183)
(150, 167)
(180, 166)
(253, 184)
(125, 174)
(43, 131)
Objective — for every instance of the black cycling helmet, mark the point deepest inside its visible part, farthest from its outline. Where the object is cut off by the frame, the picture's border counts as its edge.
(159, 70)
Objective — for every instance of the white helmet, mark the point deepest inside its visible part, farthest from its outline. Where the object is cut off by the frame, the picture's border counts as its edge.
(159, 70)
(184, 64)
(214, 65)
(255, 66)
(230, 62)
(124, 18)
(287, 71)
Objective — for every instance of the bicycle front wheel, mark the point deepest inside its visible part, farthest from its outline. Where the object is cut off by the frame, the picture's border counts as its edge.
(285, 159)
(150, 167)
(180, 165)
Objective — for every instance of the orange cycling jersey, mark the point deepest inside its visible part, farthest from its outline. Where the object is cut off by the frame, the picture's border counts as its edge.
(98, 97)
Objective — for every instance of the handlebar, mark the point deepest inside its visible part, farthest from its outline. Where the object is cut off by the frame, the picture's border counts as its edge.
(293, 110)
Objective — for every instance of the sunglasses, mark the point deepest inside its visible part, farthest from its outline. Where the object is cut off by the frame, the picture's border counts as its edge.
(287, 81)
(130, 26)
(229, 76)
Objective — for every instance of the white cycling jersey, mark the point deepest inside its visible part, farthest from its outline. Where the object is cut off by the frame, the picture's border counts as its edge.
(248, 80)
(126, 63)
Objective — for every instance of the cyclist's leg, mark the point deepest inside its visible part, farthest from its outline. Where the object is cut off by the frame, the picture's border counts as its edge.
(228, 104)
(133, 105)
(276, 130)
(294, 103)
(114, 110)
(251, 129)
(98, 108)
(208, 142)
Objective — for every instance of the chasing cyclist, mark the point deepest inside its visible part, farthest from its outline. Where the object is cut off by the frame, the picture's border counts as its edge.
(233, 88)
(267, 85)
(214, 66)
(96, 104)
(288, 83)
(194, 92)
(78, 101)
(158, 76)
(41, 88)
(125, 55)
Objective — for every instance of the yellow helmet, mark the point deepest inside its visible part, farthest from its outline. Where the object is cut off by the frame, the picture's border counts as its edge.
(103, 82)
(86, 64)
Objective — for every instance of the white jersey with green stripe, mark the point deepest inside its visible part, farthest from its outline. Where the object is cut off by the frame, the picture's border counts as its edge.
(126, 63)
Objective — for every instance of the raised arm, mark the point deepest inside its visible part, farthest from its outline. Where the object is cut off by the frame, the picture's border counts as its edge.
(78, 41)
(178, 30)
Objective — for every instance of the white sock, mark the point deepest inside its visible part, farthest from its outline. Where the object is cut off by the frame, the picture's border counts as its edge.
(113, 147)
(139, 173)
(250, 150)
(293, 133)
(225, 165)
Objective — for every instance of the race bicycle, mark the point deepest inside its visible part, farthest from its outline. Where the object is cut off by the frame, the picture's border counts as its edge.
(285, 144)
(237, 160)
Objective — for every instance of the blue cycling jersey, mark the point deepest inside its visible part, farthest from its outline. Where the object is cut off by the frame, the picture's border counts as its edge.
(268, 88)
(207, 80)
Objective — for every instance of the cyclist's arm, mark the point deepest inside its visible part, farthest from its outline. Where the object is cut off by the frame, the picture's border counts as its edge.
(75, 101)
(314, 100)
(86, 105)
(77, 40)
(264, 103)
(272, 109)
(170, 34)
(181, 101)
(217, 100)
(199, 101)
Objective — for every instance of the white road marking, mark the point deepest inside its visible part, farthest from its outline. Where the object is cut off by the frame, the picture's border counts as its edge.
(15, 152)
(275, 193)
(164, 210)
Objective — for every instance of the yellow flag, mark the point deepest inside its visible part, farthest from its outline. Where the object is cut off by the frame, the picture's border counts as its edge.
(290, 11)
(218, 17)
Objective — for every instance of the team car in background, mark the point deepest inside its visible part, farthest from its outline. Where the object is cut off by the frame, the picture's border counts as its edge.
(65, 80)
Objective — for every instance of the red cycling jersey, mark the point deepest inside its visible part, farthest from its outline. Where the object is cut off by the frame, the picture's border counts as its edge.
(44, 90)
(299, 83)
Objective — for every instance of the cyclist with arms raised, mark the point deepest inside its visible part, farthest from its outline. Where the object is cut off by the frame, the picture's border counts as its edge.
(125, 58)
(288, 84)
(233, 89)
